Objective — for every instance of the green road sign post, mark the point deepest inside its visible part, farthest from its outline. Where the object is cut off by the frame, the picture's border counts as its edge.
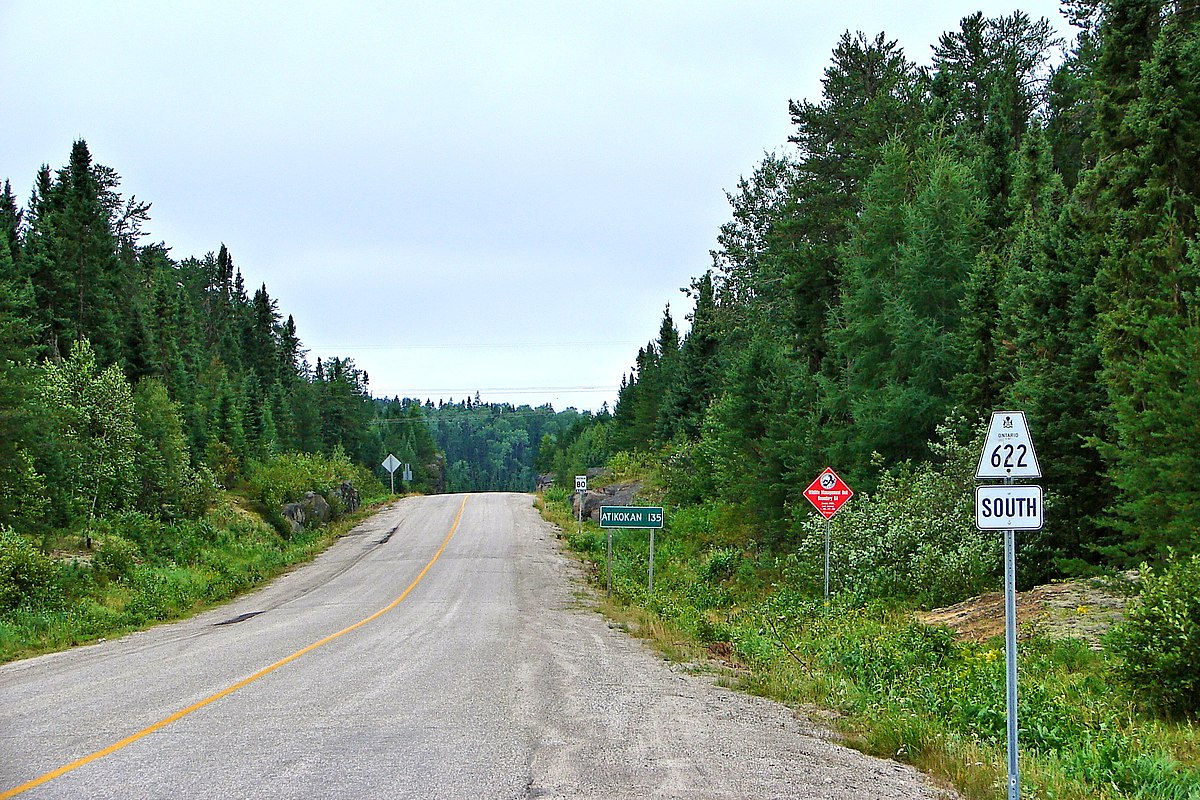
(631, 517)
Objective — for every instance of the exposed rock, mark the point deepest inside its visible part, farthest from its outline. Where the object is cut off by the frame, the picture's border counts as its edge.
(1075, 609)
(619, 494)
(310, 512)
(348, 496)
(544, 481)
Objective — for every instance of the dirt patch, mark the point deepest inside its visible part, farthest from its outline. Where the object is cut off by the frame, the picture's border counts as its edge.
(1076, 609)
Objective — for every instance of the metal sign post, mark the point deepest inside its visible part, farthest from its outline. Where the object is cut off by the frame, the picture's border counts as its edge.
(631, 517)
(581, 488)
(1010, 656)
(1008, 453)
(390, 464)
(828, 493)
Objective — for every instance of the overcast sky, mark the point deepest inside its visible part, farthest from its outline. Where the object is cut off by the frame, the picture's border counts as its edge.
(460, 196)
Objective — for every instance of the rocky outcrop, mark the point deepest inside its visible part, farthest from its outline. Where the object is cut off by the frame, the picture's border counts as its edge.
(347, 497)
(310, 512)
(314, 510)
(618, 494)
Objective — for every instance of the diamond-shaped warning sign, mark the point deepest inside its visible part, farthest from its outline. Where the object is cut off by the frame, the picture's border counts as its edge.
(828, 493)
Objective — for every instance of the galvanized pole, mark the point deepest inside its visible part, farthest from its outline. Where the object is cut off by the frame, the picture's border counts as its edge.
(1010, 652)
(609, 561)
(650, 579)
(827, 537)
(581, 513)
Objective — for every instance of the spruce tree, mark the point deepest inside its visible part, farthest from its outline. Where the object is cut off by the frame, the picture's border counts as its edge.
(1148, 282)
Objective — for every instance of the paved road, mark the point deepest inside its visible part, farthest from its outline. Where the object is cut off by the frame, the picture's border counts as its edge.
(489, 679)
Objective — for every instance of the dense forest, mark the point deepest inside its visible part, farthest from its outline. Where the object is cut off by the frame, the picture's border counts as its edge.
(131, 381)
(497, 446)
(1011, 226)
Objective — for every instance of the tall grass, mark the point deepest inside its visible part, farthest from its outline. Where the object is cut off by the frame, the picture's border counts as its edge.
(142, 571)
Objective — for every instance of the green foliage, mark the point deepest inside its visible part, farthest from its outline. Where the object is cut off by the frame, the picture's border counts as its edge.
(993, 231)
(26, 575)
(721, 563)
(92, 435)
(913, 538)
(500, 447)
(287, 477)
(115, 558)
(143, 570)
(1159, 643)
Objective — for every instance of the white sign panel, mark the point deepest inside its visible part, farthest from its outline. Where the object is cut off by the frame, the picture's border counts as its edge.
(581, 483)
(1008, 508)
(1008, 449)
(390, 463)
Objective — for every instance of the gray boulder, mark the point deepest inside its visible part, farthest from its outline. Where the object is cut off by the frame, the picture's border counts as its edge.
(310, 512)
(618, 494)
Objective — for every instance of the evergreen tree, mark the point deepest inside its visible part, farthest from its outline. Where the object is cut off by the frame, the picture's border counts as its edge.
(693, 382)
(1148, 280)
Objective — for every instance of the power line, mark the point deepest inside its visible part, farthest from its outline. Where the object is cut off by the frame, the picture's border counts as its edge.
(466, 345)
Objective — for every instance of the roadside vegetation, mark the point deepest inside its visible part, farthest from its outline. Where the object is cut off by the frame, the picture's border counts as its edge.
(1008, 224)
(130, 570)
(1107, 721)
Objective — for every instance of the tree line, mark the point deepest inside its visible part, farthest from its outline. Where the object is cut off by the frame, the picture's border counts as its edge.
(134, 381)
(1011, 226)
(499, 446)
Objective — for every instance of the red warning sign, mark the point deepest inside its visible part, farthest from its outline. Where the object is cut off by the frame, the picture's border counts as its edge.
(828, 493)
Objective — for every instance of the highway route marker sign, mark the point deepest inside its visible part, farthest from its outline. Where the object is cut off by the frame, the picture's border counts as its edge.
(1008, 454)
(1008, 449)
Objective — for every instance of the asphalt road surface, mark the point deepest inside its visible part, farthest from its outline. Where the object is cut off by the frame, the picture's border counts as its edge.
(444, 649)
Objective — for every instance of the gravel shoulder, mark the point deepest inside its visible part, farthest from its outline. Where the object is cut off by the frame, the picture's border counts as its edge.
(617, 721)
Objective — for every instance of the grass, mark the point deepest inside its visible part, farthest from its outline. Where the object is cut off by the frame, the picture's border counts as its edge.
(143, 573)
(892, 686)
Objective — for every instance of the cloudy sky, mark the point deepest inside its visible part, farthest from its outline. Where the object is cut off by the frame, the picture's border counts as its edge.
(460, 196)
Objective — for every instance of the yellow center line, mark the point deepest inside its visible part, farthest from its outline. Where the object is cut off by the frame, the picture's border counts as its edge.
(178, 715)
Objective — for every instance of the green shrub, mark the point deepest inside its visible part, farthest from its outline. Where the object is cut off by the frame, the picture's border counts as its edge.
(115, 557)
(915, 538)
(26, 575)
(557, 495)
(1159, 643)
(721, 563)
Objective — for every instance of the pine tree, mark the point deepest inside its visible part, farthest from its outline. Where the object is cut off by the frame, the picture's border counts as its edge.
(694, 381)
(1148, 283)
(872, 93)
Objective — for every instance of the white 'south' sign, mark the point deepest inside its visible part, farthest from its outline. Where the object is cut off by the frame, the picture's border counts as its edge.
(1008, 508)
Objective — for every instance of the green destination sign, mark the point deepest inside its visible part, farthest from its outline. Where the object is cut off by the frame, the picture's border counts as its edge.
(631, 517)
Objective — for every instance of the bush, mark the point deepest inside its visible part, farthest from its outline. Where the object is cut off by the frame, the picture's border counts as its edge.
(115, 557)
(1159, 643)
(286, 478)
(26, 575)
(720, 564)
(915, 538)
